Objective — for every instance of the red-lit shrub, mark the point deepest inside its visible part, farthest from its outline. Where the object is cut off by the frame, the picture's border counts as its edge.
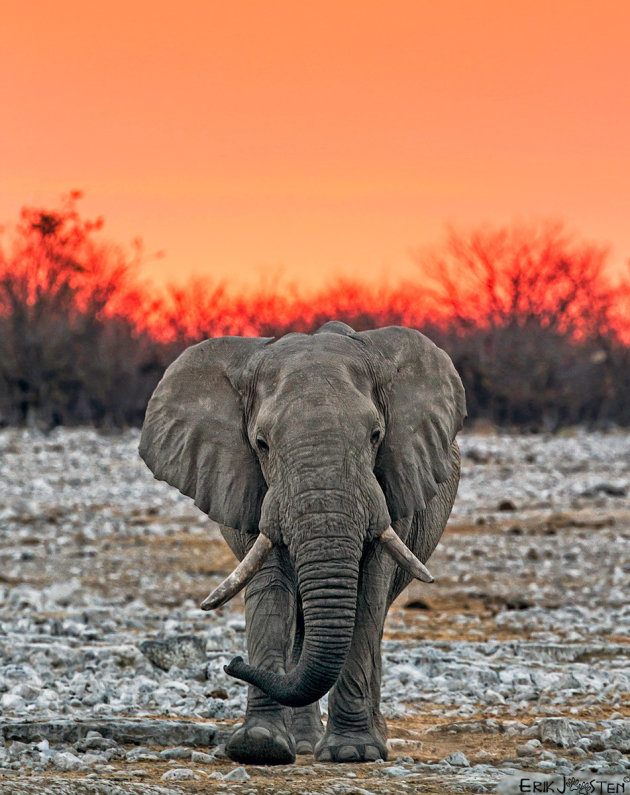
(535, 327)
(70, 350)
(530, 319)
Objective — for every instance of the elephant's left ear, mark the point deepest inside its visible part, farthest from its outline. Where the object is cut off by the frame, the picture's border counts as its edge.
(195, 437)
(426, 408)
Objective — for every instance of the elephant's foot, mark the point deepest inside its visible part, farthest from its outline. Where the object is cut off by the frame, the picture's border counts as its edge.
(262, 741)
(337, 746)
(307, 728)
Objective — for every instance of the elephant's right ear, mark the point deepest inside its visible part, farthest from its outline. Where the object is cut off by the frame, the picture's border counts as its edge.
(194, 434)
(426, 407)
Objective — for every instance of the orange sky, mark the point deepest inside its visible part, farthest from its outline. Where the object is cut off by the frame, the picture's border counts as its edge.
(257, 138)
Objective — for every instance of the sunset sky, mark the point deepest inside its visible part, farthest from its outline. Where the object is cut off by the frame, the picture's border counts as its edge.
(258, 140)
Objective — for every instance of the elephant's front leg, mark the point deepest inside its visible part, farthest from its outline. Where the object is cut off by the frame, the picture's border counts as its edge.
(356, 730)
(266, 735)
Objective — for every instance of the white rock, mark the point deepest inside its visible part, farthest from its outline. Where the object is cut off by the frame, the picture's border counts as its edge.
(238, 774)
(529, 748)
(618, 736)
(12, 701)
(66, 761)
(558, 731)
(395, 772)
(179, 774)
(26, 691)
(61, 593)
(457, 759)
(201, 758)
(492, 697)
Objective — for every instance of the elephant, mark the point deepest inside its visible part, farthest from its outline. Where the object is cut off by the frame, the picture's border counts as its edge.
(329, 461)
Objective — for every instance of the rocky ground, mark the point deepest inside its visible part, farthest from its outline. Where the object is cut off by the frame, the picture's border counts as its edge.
(514, 665)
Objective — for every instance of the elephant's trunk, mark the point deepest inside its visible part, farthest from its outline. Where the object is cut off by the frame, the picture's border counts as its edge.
(327, 568)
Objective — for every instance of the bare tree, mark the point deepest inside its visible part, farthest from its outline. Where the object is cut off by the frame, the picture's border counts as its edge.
(525, 311)
(65, 326)
(520, 275)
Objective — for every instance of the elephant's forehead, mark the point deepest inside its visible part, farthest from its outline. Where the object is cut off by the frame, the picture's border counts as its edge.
(314, 359)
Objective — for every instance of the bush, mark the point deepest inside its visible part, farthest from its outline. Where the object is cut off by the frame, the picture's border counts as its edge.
(70, 350)
(530, 318)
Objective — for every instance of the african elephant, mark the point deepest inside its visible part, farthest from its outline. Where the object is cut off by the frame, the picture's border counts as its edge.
(331, 464)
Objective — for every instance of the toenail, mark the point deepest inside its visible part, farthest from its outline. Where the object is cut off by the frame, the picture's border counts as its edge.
(259, 733)
(282, 743)
(372, 753)
(348, 753)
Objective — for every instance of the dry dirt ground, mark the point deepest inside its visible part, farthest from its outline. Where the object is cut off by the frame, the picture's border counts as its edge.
(536, 577)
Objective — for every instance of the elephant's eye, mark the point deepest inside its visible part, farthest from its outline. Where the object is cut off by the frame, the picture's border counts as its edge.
(262, 445)
(375, 437)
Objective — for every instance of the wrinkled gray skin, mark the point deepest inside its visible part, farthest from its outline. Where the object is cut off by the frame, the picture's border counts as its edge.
(319, 442)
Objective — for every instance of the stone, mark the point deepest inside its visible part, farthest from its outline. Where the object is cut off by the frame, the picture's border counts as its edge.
(95, 743)
(219, 692)
(27, 691)
(506, 505)
(179, 752)
(492, 697)
(142, 754)
(179, 774)
(611, 770)
(513, 728)
(12, 702)
(529, 748)
(66, 761)
(558, 731)
(62, 593)
(395, 772)
(238, 774)
(201, 758)
(90, 759)
(612, 755)
(457, 759)
(614, 489)
(17, 749)
(124, 731)
(617, 736)
(179, 651)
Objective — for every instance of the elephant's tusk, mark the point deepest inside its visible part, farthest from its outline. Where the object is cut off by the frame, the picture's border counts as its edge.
(404, 556)
(241, 575)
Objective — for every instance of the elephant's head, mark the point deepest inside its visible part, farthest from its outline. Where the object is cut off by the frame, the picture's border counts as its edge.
(317, 443)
